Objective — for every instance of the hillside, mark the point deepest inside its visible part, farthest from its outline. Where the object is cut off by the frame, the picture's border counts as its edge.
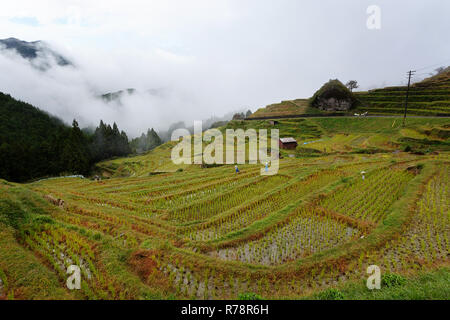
(285, 108)
(34, 144)
(316, 137)
(117, 95)
(310, 231)
(430, 97)
(151, 229)
(34, 50)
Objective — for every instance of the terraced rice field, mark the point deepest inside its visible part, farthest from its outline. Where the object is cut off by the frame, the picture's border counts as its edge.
(428, 97)
(212, 233)
(306, 233)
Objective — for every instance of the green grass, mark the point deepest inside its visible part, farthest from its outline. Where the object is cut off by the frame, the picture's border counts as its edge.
(286, 108)
(343, 134)
(27, 276)
(433, 285)
(250, 296)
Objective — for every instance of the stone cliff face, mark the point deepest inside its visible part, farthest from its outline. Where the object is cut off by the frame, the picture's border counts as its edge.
(333, 96)
(334, 104)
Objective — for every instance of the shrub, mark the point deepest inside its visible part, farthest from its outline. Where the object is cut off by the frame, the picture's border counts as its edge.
(97, 236)
(249, 296)
(43, 220)
(345, 179)
(331, 294)
(368, 151)
(392, 280)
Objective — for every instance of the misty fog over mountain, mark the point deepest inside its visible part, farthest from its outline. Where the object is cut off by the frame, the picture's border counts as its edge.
(186, 65)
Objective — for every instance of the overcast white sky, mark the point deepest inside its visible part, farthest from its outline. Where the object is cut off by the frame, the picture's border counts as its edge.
(213, 56)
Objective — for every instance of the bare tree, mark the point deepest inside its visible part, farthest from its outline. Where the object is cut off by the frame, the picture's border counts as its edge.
(352, 84)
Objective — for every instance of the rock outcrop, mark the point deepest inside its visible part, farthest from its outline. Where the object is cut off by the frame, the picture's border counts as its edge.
(334, 104)
(333, 96)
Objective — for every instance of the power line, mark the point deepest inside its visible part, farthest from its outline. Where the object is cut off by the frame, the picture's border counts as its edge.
(433, 65)
(423, 73)
(413, 72)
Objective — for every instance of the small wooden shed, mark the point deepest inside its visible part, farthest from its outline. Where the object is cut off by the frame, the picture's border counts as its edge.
(288, 143)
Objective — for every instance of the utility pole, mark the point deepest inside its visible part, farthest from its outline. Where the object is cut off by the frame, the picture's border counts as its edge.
(410, 73)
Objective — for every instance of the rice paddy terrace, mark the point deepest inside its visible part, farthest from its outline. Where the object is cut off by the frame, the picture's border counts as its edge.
(430, 97)
(152, 231)
(286, 108)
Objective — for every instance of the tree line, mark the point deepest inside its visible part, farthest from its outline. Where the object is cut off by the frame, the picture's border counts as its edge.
(35, 144)
(146, 142)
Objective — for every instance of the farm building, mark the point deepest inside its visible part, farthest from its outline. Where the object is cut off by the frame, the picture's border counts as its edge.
(288, 143)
